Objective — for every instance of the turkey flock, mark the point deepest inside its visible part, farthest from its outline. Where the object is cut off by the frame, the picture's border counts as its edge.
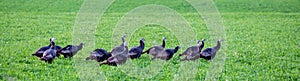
(121, 53)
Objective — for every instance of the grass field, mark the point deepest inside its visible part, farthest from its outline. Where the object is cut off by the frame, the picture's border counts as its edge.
(262, 38)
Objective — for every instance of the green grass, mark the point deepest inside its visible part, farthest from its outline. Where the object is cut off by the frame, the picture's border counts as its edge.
(262, 38)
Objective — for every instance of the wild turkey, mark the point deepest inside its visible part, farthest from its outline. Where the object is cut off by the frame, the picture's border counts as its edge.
(210, 53)
(70, 50)
(50, 54)
(192, 53)
(39, 53)
(119, 48)
(156, 49)
(167, 54)
(119, 54)
(99, 55)
(136, 52)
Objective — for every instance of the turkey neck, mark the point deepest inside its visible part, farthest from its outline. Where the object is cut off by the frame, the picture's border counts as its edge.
(126, 51)
(123, 41)
(163, 43)
(201, 45)
(142, 44)
(176, 49)
(217, 47)
(80, 46)
(52, 44)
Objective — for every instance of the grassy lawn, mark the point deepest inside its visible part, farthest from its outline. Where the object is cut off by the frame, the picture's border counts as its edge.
(262, 39)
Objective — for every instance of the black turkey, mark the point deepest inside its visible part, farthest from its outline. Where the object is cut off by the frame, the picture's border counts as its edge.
(167, 54)
(210, 53)
(136, 52)
(119, 54)
(50, 54)
(156, 49)
(70, 50)
(39, 53)
(99, 55)
(192, 53)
